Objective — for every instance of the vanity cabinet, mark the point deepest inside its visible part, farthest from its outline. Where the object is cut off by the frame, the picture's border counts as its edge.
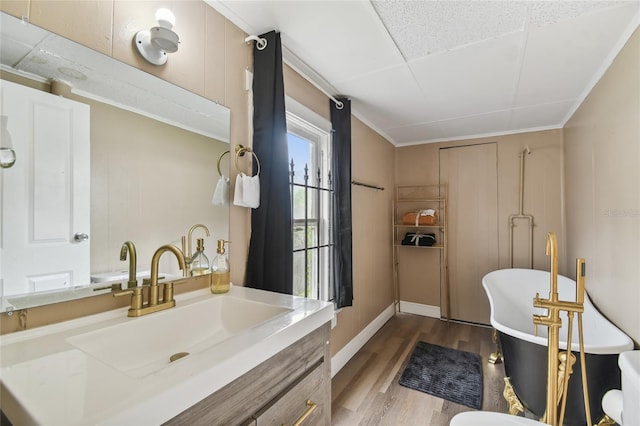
(282, 390)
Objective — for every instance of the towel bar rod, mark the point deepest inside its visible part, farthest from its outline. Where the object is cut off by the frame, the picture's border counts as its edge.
(355, 182)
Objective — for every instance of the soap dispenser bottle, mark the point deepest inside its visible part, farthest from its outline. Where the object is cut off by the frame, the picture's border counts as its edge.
(199, 261)
(220, 271)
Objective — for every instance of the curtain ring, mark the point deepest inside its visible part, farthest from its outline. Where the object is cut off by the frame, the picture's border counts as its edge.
(261, 43)
(240, 150)
(219, 159)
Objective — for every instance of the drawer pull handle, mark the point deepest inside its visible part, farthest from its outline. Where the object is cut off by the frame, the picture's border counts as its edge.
(311, 406)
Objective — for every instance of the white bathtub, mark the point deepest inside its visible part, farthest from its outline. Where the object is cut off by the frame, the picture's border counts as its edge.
(511, 293)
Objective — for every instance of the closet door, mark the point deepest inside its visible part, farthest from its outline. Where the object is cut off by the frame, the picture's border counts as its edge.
(471, 175)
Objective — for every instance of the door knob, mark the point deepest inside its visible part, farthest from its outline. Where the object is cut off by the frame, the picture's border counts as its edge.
(80, 237)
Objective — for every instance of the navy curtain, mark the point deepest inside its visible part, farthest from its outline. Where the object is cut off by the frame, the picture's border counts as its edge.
(270, 260)
(341, 166)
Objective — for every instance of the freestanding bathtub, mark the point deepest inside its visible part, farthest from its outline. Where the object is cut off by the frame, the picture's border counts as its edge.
(511, 293)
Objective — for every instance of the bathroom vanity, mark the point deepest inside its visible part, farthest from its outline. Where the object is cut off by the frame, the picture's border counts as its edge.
(245, 357)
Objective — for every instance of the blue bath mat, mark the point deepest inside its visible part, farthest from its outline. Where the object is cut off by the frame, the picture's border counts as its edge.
(446, 373)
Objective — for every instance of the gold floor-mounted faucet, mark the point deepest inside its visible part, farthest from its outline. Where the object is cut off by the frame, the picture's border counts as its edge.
(154, 304)
(560, 363)
(186, 247)
(129, 247)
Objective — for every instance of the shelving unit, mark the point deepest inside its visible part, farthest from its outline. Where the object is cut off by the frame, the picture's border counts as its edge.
(412, 198)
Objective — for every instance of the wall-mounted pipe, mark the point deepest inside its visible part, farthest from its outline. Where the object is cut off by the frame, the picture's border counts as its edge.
(521, 215)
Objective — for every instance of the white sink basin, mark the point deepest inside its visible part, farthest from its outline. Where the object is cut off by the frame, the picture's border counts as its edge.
(110, 369)
(145, 345)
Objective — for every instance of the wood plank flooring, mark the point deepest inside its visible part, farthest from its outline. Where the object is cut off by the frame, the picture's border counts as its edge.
(366, 391)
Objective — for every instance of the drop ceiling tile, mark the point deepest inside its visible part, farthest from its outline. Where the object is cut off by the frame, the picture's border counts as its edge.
(422, 28)
(561, 60)
(543, 13)
(473, 80)
(340, 38)
(415, 134)
(539, 116)
(396, 100)
(477, 125)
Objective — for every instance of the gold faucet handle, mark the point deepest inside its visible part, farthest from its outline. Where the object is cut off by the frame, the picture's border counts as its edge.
(136, 296)
(167, 292)
(112, 287)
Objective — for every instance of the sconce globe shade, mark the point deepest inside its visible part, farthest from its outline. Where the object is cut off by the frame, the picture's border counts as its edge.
(164, 39)
(151, 53)
(165, 18)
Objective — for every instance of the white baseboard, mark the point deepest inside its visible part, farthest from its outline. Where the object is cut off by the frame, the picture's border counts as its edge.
(420, 309)
(343, 356)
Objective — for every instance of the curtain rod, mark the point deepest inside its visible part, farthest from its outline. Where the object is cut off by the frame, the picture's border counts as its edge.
(355, 182)
(296, 64)
(261, 43)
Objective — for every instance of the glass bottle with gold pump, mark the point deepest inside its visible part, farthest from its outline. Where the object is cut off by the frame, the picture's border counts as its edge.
(199, 261)
(220, 271)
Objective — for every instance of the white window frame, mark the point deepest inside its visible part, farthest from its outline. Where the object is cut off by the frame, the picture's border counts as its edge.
(310, 126)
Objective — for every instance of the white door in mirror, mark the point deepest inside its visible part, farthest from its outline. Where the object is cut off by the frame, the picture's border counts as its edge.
(46, 194)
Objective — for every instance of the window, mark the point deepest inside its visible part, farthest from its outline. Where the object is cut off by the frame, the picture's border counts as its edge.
(311, 201)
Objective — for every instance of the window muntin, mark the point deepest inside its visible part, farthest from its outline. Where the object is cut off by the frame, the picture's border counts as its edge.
(311, 195)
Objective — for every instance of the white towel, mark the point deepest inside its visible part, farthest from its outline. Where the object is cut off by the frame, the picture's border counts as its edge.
(238, 195)
(221, 194)
(247, 193)
(251, 189)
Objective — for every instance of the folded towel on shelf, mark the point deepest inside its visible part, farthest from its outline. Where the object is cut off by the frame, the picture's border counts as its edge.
(426, 217)
(418, 239)
(221, 193)
(247, 192)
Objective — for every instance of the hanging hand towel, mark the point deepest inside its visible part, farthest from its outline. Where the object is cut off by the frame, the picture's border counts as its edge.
(247, 193)
(221, 194)
(251, 191)
(238, 195)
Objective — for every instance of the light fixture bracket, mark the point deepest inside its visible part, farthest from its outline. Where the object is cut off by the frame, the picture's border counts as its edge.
(154, 44)
(151, 53)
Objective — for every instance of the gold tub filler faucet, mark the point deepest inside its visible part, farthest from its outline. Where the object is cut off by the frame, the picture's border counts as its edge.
(154, 304)
(560, 362)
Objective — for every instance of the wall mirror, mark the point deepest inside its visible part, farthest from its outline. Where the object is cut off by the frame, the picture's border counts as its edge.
(152, 163)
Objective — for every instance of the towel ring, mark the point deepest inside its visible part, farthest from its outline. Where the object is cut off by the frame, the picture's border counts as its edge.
(220, 159)
(240, 150)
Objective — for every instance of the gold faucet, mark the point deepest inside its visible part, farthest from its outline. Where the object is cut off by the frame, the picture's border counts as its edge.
(556, 388)
(186, 248)
(138, 307)
(129, 247)
(553, 322)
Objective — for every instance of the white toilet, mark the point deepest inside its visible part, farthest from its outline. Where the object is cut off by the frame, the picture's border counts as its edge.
(489, 418)
(623, 405)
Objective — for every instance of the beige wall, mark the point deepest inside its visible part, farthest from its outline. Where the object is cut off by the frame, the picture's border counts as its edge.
(543, 197)
(372, 162)
(602, 159)
(214, 66)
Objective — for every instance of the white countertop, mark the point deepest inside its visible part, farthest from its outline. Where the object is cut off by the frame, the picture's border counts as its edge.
(44, 379)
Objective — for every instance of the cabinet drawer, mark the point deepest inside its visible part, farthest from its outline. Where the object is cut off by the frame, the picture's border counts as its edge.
(304, 397)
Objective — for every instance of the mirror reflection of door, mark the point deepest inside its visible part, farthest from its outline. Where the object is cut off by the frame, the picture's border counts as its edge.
(471, 174)
(46, 194)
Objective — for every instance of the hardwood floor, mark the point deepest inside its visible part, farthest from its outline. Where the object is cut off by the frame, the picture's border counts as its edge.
(366, 391)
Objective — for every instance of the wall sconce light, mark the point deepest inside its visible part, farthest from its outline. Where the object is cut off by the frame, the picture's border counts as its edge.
(155, 43)
(7, 154)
